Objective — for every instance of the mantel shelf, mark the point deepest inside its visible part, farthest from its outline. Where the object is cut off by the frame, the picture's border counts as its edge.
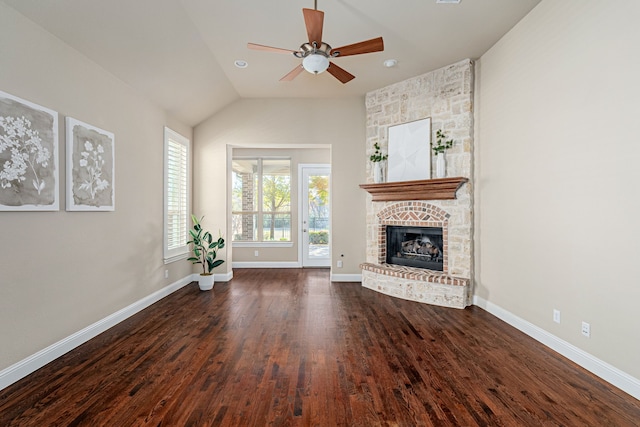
(426, 189)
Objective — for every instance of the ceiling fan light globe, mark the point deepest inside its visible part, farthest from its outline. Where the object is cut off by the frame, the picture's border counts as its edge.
(315, 63)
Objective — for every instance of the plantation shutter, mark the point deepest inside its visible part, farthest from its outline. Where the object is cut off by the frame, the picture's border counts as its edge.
(176, 195)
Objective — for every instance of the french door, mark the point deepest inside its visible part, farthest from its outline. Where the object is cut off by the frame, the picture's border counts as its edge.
(315, 215)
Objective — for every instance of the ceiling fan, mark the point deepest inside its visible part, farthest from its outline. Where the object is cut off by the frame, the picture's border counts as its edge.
(316, 54)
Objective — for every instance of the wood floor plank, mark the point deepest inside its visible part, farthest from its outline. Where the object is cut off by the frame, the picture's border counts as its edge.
(289, 348)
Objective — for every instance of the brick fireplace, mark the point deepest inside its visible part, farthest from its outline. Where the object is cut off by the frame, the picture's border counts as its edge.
(412, 214)
(416, 284)
(446, 96)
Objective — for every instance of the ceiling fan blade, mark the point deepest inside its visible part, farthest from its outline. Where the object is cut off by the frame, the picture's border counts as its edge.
(367, 46)
(292, 74)
(269, 48)
(339, 73)
(314, 19)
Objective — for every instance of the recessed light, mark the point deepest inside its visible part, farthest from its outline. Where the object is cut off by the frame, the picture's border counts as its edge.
(447, 1)
(390, 63)
(241, 63)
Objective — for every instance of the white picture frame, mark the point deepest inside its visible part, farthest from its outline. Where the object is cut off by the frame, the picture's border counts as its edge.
(90, 167)
(410, 151)
(28, 156)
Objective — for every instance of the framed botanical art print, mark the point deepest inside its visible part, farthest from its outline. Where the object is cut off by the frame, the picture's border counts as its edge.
(28, 156)
(90, 167)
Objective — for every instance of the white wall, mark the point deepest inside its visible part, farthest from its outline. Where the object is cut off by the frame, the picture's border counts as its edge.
(557, 146)
(62, 271)
(337, 123)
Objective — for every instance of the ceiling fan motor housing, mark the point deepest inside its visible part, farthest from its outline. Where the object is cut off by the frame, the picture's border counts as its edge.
(314, 59)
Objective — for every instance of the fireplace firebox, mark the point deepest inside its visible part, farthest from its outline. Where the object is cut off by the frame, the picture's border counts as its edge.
(420, 247)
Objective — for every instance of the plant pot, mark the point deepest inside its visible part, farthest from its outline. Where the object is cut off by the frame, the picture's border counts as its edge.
(441, 166)
(205, 282)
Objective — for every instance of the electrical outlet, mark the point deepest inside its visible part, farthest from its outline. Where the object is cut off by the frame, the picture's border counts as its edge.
(166, 274)
(340, 264)
(256, 253)
(586, 329)
(556, 315)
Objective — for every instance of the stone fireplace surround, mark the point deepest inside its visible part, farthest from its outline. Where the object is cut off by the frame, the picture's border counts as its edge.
(446, 96)
(416, 284)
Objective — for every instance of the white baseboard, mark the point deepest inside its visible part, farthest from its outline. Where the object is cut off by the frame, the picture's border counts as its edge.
(36, 361)
(611, 374)
(346, 277)
(220, 277)
(267, 264)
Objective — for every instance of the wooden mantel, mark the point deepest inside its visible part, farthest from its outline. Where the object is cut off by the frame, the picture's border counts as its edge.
(426, 189)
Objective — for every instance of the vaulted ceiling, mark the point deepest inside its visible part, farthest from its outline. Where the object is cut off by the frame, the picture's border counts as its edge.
(180, 53)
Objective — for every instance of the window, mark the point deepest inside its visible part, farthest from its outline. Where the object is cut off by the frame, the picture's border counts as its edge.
(261, 200)
(177, 154)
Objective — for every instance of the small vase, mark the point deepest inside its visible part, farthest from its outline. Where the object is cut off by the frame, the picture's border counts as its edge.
(379, 172)
(441, 166)
(205, 282)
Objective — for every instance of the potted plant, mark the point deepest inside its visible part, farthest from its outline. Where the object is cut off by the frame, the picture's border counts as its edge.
(205, 250)
(440, 148)
(378, 160)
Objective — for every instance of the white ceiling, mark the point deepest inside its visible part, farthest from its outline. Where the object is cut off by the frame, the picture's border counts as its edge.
(181, 53)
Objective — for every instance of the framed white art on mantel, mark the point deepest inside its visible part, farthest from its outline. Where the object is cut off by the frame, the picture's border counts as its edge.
(410, 151)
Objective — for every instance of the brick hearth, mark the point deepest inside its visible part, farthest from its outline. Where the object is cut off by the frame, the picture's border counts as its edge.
(416, 284)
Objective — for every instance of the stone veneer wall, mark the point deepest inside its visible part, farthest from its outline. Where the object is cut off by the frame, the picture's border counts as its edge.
(445, 95)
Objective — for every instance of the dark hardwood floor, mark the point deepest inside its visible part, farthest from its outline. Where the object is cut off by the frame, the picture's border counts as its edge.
(289, 348)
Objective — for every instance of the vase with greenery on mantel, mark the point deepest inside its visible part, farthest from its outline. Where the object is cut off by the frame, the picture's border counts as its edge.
(205, 250)
(440, 148)
(379, 164)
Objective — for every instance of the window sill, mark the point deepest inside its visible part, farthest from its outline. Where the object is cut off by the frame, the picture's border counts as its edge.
(262, 244)
(175, 258)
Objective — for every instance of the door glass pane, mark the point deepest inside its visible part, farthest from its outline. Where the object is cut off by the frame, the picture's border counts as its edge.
(318, 216)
